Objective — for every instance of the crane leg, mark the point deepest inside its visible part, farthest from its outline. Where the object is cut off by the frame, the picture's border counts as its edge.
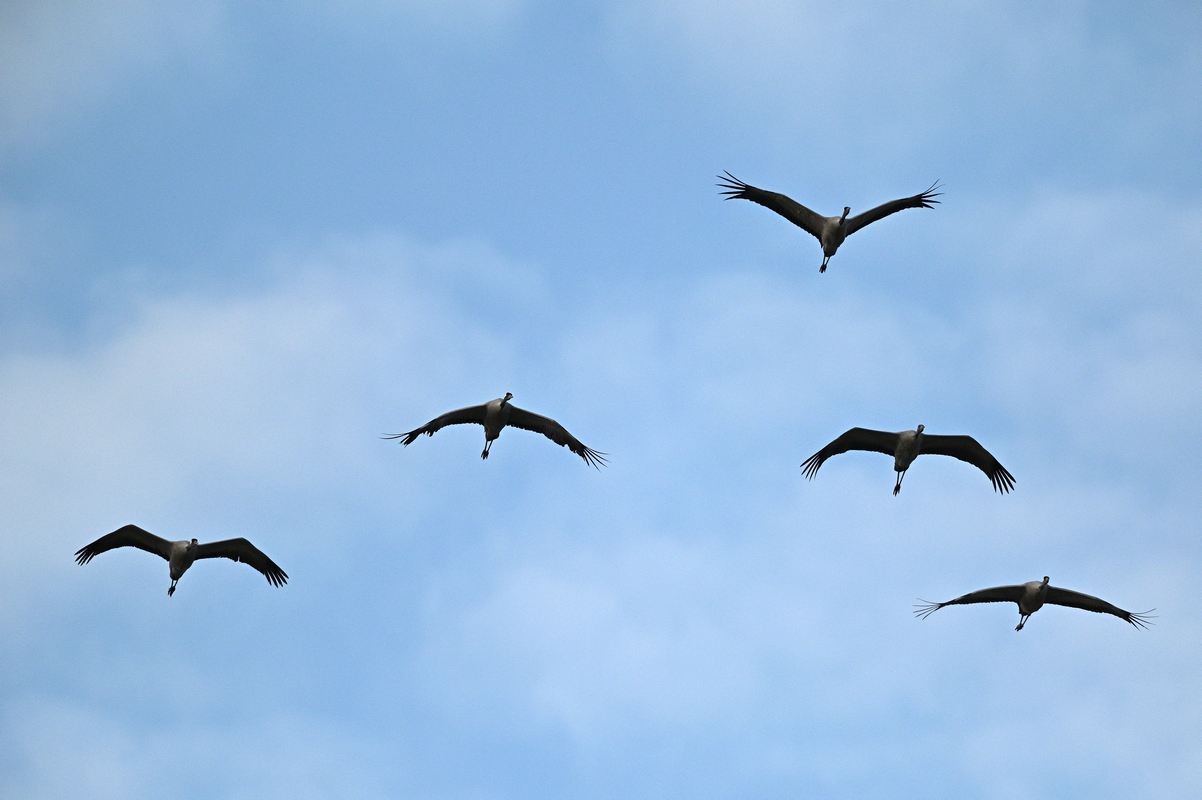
(171, 589)
(824, 260)
(487, 446)
(897, 486)
(1022, 620)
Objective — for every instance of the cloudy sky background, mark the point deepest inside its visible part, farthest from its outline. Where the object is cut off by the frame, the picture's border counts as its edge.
(236, 246)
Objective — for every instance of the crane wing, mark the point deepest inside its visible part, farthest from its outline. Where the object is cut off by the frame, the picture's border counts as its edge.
(528, 420)
(787, 207)
(125, 536)
(921, 200)
(970, 450)
(459, 416)
(995, 594)
(1067, 597)
(853, 439)
(242, 550)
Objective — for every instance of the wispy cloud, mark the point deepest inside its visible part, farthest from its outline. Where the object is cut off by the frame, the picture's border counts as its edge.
(58, 60)
(738, 611)
(281, 387)
(64, 748)
(857, 89)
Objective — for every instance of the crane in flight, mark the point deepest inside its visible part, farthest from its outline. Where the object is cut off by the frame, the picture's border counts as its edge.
(906, 446)
(180, 555)
(494, 416)
(1034, 595)
(829, 231)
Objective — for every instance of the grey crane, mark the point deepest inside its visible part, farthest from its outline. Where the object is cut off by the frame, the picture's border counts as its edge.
(906, 446)
(181, 554)
(495, 415)
(1032, 596)
(830, 231)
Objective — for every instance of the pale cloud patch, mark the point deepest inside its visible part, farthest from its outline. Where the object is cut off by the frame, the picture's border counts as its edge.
(786, 644)
(598, 640)
(682, 620)
(831, 55)
(59, 748)
(407, 20)
(58, 60)
(874, 82)
(281, 387)
(22, 233)
(699, 590)
(1095, 336)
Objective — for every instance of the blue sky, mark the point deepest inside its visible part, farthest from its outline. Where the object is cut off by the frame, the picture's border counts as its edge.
(236, 245)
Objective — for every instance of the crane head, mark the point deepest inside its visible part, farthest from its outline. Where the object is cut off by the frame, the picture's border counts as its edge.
(508, 397)
(1046, 579)
(846, 211)
(921, 427)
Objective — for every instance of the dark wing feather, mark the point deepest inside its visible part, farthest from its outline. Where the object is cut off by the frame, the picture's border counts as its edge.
(921, 200)
(242, 550)
(970, 450)
(787, 207)
(125, 536)
(996, 594)
(528, 420)
(854, 439)
(459, 416)
(1067, 597)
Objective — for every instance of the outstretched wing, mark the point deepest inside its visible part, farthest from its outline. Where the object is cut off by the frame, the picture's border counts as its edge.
(242, 550)
(787, 207)
(996, 594)
(125, 536)
(1067, 597)
(921, 200)
(528, 420)
(970, 450)
(459, 416)
(854, 439)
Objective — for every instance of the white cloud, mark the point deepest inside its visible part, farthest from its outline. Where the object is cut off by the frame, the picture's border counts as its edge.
(858, 89)
(58, 60)
(19, 227)
(58, 748)
(283, 388)
(416, 22)
(696, 592)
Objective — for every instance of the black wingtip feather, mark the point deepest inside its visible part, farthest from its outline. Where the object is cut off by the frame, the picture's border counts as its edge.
(406, 438)
(810, 466)
(1003, 482)
(733, 188)
(594, 458)
(1141, 619)
(925, 608)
